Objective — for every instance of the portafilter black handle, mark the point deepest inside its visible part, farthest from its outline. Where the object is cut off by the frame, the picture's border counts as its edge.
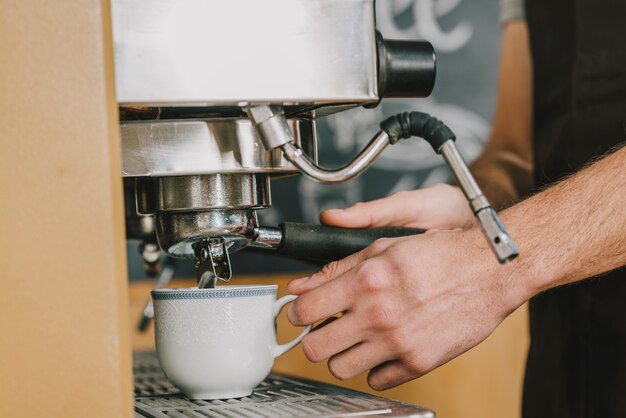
(322, 243)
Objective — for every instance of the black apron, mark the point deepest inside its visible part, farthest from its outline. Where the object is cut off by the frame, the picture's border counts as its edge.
(577, 358)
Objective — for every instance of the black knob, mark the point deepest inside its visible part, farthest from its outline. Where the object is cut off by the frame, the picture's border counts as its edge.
(405, 68)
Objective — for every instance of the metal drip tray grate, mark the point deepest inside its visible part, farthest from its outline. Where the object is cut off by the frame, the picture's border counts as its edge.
(277, 396)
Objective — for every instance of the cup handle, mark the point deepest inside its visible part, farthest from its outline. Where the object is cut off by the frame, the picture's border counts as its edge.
(280, 349)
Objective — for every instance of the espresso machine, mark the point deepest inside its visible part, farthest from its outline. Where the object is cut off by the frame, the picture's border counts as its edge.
(218, 99)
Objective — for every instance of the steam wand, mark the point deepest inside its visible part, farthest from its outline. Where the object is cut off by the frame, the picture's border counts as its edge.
(441, 138)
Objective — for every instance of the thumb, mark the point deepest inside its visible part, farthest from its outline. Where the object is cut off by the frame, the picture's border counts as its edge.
(394, 210)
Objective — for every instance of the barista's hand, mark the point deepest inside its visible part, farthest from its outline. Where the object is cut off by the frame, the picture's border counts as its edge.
(438, 207)
(409, 305)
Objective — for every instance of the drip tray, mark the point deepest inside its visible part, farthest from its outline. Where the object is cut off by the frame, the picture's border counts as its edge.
(277, 396)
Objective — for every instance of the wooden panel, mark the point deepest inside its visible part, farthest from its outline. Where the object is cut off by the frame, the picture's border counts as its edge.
(65, 348)
(485, 382)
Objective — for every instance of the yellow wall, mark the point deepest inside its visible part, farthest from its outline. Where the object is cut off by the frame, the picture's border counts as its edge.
(483, 383)
(64, 337)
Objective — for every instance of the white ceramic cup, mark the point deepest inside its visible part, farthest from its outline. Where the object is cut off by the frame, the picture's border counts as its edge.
(218, 343)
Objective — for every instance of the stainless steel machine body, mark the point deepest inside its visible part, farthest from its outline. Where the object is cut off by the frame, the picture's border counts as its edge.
(217, 97)
(225, 53)
(165, 148)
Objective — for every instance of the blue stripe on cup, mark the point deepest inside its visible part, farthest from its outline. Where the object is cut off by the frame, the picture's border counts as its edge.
(212, 293)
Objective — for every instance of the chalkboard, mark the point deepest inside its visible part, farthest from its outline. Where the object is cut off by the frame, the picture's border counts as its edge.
(466, 37)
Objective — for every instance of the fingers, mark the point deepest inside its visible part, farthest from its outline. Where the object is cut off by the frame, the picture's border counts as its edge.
(330, 298)
(337, 292)
(358, 359)
(394, 210)
(329, 272)
(333, 338)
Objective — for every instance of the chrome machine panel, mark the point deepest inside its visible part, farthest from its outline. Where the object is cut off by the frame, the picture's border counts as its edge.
(208, 53)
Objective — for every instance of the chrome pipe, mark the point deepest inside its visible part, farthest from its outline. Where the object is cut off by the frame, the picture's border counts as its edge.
(361, 162)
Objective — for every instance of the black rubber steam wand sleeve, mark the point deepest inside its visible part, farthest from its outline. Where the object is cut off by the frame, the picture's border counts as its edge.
(422, 125)
(322, 243)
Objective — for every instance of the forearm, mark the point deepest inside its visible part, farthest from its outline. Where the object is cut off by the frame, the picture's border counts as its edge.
(573, 230)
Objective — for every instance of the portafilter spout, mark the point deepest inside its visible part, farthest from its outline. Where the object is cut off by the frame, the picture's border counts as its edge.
(212, 262)
(207, 237)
